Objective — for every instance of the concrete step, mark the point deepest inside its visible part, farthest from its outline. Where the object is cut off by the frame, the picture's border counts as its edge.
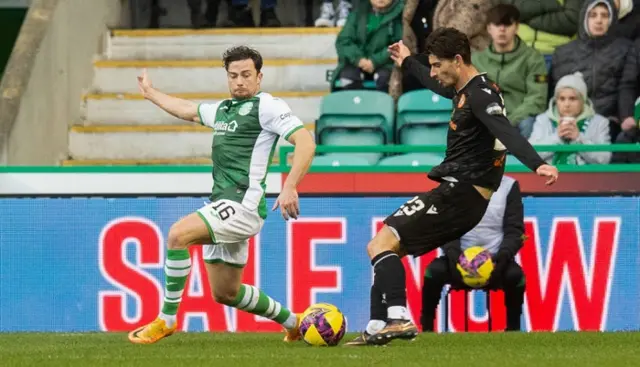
(208, 76)
(273, 43)
(132, 109)
(144, 142)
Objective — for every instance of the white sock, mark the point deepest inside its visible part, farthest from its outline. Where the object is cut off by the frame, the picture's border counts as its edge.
(290, 322)
(374, 326)
(398, 312)
(170, 320)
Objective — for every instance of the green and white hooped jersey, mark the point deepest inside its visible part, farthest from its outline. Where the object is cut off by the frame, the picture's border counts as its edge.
(245, 134)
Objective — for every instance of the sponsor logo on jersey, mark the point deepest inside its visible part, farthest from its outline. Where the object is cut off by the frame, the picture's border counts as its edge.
(285, 116)
(222, 127)
(494, 109)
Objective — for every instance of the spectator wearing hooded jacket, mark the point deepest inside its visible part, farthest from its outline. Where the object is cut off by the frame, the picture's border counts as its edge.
(518, 69)
(570, 119)
(608, 63)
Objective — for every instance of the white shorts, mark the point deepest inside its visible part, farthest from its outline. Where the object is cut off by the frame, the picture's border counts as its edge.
(230, 226)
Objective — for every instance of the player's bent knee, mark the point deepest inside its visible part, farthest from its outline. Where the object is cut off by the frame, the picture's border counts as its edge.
(385, 240)
(178, 237)
(188, 231)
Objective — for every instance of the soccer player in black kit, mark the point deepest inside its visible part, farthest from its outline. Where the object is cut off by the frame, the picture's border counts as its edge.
(477, 141)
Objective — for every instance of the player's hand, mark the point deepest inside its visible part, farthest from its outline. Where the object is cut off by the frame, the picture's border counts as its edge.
(144, 83)
(398, 52)
(288, 203)
(548, 171)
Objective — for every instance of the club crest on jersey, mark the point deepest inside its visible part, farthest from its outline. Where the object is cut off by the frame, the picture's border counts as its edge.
(245, 108)
(462, 100)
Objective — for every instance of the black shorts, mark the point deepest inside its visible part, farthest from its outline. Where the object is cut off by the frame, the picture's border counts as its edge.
(432, 219)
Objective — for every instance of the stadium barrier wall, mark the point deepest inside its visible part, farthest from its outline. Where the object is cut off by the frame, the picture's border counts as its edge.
(44, 79)
(95, 263)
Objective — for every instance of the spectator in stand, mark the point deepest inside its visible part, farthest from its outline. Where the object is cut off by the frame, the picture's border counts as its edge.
(362, 44)
(518, 69)
(467, 16)
(240, 14)
(628, 19)
(547, 24)
(333, 17)
(608, 63)
(628, 136)
(570, 119)
(209, 18)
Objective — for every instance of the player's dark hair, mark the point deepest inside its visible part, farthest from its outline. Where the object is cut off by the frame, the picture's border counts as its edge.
(503, 14)
(446, 43)
(239, 53)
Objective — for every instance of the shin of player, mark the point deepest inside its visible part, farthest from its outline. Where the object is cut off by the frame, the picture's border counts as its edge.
(246, 129)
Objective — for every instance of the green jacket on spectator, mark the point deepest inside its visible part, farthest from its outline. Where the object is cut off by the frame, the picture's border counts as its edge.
(367, 34)
(547, 24)
(521, 75)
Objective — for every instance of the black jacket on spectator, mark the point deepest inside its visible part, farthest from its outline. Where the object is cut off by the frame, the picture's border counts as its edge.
(629, 26)
(627, 137)
(608, 64)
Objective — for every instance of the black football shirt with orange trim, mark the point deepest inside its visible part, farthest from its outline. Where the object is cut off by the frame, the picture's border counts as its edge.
(479, 132)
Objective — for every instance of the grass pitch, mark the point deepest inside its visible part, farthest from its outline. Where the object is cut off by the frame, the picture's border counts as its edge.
(235, 350)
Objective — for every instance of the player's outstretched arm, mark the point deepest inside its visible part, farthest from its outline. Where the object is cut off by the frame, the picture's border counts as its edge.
(487, 106)
(303, 153)
(401, 55)
(178, 107)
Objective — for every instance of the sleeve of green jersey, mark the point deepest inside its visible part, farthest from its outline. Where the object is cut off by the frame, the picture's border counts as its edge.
(276, 116)
(207, 113)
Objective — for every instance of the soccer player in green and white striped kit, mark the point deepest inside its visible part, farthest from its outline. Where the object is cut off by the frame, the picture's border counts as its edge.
(246, 129)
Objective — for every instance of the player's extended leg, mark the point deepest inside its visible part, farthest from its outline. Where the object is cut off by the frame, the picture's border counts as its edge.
(227, 289)
(187, 231)
(389, 278)
(377, 318)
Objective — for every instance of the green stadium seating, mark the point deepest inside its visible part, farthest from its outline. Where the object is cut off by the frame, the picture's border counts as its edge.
(351, 137)
(340, 159)
(413, 159)
(360, 117)
(422, 115)
(434, 134)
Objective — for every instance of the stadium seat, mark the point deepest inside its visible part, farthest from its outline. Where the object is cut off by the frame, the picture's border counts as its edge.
(413, 159)
(350, 137)
(427, 111)
(361, 117)
(340, 159)
(432, 134)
